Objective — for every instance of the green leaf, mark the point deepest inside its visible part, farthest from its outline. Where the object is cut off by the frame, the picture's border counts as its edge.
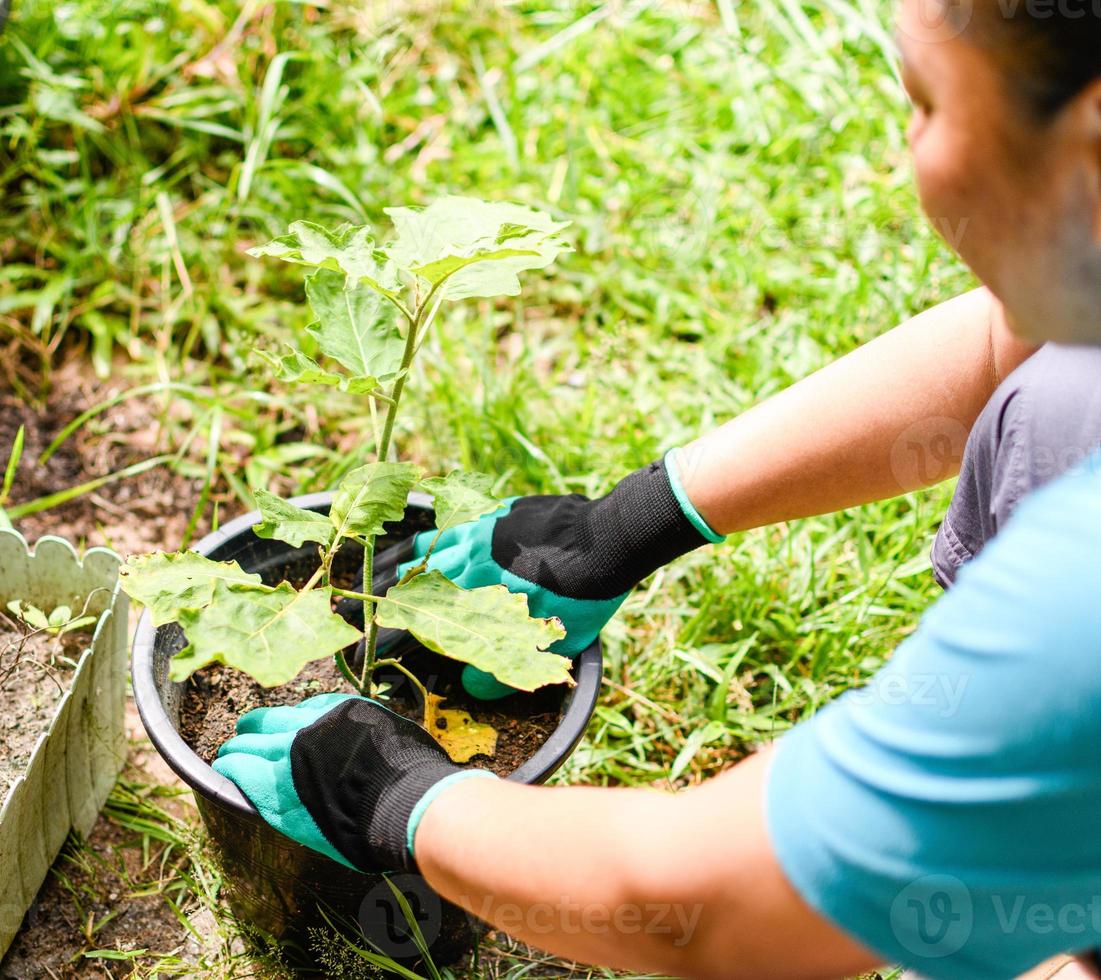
(286, 522)
(34, 617)
(371, 495)
(270, 634)
(487, 627)
(460, 497)
(359, 386)
(13, 463)
(348, 249)
(475, 247)
(168, 583)
(184, 664)
(300, 368)
(82, 622)
(355, 325)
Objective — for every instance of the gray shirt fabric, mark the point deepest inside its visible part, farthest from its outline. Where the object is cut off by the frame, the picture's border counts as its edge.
(1043, 420)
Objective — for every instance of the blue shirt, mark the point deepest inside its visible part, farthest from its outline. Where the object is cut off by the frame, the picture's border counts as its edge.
(948, 815)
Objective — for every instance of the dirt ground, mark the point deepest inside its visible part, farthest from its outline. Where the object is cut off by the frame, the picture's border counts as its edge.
(139, 513)
(34, 674)
(109, 874)
(106, 894)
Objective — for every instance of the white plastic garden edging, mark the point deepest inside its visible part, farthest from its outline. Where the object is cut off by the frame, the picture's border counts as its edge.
(77, 759)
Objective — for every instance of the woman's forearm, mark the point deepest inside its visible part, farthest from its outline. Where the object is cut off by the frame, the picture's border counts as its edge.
(685, 885)
(889, 417)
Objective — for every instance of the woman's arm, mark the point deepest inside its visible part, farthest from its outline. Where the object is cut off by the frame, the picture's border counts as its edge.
(634, 879)
(943, 816)
(892, 416)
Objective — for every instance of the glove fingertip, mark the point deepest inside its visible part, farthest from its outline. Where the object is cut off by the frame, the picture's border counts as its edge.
(227, 762)
(250, 721)
(484, 686)
(320, 703)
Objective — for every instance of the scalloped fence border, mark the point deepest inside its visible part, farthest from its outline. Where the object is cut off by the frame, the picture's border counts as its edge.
(76, 760)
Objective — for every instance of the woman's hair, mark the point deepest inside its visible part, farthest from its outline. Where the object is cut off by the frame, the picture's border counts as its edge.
(1050, 50)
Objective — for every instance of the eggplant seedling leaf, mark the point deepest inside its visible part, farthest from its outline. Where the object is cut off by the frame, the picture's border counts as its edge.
(270, 634)
(354, 325)
(460, 497)
(58, 623)
(299, 368)
(458, 734)
(473, 248)
(286, 522)
(488, 627)
(370, 495)
(29, 615)
(349, 249)
(168, 583)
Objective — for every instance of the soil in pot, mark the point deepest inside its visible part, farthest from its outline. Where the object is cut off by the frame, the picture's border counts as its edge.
(217, 696)
(35, 672)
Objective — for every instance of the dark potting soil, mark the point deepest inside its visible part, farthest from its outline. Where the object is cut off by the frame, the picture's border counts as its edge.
(35, 672)
(217, 696)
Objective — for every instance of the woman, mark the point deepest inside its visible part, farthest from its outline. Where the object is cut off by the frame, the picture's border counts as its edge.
(943, 817)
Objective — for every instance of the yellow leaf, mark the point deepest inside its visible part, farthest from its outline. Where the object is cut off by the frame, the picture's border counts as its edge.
(460, 736)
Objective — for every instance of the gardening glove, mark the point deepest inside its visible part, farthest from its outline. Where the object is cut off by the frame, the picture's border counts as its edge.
(342, 775)
(573, 557)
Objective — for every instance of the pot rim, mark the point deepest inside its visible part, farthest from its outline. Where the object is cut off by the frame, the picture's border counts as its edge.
(579, 704)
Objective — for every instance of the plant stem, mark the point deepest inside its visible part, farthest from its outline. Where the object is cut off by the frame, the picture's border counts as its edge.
(369, 624)
(322, 569)
(399, 386)
(349, 594)
(346, 671)
(382, 450)
(393, 662)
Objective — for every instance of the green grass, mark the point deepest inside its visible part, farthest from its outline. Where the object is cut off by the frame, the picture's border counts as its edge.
(742, 211)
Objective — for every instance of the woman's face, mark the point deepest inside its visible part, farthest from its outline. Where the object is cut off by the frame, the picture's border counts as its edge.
(1018, 198)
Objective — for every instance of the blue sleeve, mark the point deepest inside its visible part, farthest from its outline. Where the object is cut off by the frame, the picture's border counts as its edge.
(948, 815)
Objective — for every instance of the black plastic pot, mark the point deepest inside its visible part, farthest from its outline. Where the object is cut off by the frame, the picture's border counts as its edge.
(274, 884)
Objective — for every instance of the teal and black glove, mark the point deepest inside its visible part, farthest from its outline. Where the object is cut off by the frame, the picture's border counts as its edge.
(342, 775)
(573, 557)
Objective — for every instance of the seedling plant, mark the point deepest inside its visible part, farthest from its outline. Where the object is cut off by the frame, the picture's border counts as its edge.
(374, 306)
(26, 621)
